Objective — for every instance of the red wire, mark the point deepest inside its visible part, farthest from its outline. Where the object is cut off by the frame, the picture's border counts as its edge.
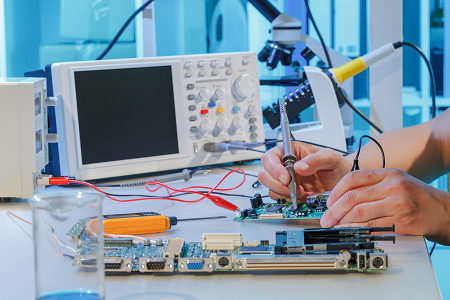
(184, 190)
(56, 244)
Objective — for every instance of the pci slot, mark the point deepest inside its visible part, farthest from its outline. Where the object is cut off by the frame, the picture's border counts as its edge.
(290, 262)
(221, 241)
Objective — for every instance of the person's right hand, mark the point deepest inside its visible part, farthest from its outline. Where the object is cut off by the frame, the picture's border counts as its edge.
(318, 170)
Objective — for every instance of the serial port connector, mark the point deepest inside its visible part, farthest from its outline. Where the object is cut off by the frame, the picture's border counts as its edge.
(118, 264)
(156, 264)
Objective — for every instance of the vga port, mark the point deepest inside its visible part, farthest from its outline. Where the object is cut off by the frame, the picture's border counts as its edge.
(196, 264)
(188, 264)
(156, 264)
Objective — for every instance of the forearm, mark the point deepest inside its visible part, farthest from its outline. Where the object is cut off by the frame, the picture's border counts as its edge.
(422, 150)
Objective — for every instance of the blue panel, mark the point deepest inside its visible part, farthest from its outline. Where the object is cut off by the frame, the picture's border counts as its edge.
(22, 36)
(180, 27)
(168, 27)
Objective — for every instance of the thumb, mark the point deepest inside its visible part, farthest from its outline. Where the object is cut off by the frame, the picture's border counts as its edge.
(324, 159)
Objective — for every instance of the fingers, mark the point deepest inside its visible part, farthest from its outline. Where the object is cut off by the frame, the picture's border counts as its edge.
(274, 195)
(355, 180)
(271, 160)
(356, 206)
(380, 222)
(365, 212)
(324, 159)
(272, 183)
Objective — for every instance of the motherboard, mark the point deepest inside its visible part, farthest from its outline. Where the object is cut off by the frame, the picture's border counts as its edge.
(314, 208)
(352, 249)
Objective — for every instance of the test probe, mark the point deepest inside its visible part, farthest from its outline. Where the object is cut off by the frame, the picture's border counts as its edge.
(288, 158)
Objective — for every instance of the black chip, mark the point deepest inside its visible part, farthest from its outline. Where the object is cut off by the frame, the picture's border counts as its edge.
(244, 213)
(276, 208)
(265, 242)
(320, 208)
(312, 202)
(323, 202)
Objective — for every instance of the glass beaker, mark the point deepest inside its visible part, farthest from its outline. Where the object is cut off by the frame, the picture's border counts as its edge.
(68, 245)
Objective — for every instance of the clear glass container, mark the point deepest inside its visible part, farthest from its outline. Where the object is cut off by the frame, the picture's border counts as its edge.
(68, 245)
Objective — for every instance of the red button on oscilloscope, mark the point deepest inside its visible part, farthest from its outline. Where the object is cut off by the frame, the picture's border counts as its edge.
(203, 111)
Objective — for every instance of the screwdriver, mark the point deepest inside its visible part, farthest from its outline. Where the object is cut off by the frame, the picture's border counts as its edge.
(142, 223)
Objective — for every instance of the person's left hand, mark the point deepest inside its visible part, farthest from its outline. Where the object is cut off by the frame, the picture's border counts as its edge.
(380, 198)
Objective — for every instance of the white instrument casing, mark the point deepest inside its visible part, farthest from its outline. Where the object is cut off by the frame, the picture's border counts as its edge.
(214, 96)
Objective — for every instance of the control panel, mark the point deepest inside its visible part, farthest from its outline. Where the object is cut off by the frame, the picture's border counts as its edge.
(222, 99)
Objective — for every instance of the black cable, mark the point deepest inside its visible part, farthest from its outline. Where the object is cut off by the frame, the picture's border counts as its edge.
(256, 150)
(358, 111)
(123, 28)
(169, 196)
(430, 71)
(355, 162)
(318, 33)
(432, 248)
(177, 195)
(223, 168)
(331, 66)
(433, 86)
(310, 143)
(323, 146)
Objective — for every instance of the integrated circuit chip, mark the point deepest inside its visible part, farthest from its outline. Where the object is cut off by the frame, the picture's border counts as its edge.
(275, 209)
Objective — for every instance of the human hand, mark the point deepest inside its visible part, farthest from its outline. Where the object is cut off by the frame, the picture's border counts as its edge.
(383, 197)
(317, 170)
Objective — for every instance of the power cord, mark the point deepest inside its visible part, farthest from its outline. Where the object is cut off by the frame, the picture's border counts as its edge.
(341, 93)
(355, 161)
(433, 87)
(123, 28)
(318, 33)
(430, 71)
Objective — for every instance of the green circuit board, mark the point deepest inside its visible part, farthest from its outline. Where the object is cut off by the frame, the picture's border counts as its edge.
(313, 209)
(226, 252)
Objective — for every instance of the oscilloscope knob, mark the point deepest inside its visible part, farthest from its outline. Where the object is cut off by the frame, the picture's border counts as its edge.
(244, 86)
(207, 125)
(218, 93)
(204, 94)
(239, 122)
(223, 123)
(253, 108)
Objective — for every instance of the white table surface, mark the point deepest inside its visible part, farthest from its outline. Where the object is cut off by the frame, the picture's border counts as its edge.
(410, 274)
